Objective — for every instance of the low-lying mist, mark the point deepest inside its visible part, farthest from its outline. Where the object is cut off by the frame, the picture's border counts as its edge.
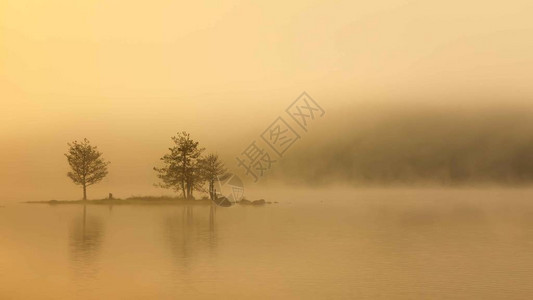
(435, 145)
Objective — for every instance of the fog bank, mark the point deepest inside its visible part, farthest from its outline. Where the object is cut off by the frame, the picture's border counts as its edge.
(417, 145)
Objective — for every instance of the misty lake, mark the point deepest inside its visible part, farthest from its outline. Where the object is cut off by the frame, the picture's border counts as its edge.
(356, 244)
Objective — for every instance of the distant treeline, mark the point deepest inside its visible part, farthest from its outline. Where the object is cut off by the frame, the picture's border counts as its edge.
(417, 145)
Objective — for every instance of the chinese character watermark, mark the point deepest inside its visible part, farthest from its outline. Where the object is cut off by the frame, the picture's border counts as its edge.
(280, 136)
(304, 109)
(229, 190)
(255, 160)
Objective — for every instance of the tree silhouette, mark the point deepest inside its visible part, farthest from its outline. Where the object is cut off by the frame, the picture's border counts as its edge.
(212, 169)
(181, 170)
(86, 163)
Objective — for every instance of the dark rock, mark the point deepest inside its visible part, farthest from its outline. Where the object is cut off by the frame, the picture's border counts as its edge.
(244, 201)
(259, 202)
(222, 201)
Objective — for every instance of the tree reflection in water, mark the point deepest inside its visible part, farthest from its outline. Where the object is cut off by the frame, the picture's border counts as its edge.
(191, 234)
(86, 237)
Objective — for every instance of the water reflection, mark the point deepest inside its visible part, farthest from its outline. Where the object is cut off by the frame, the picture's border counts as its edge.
(86, 237)
(212, 224)
(385, 244)
(191, 232)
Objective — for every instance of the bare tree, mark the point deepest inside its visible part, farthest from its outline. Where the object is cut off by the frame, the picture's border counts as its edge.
(181, 170)
(87, 164)
(212, 169)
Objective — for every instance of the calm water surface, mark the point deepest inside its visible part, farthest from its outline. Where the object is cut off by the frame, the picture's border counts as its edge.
(369, 244)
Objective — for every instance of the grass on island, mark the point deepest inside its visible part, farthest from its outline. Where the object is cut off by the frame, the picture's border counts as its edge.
(147, 200)
(131, 200)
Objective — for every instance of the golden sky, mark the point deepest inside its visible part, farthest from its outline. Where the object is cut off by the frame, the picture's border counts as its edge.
(129, 74)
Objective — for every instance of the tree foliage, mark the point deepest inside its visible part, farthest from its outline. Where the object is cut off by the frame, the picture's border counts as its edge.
(212, 169)
(87, 164)
(181, 170)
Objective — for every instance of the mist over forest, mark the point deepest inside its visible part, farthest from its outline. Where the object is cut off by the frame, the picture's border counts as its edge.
(434, 145)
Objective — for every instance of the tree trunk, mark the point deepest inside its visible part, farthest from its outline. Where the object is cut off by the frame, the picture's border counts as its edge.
(84, 192)
(212, 189)
(189, 189)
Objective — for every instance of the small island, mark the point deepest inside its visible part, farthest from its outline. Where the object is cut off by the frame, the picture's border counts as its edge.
(148, 200)
(185, 170)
